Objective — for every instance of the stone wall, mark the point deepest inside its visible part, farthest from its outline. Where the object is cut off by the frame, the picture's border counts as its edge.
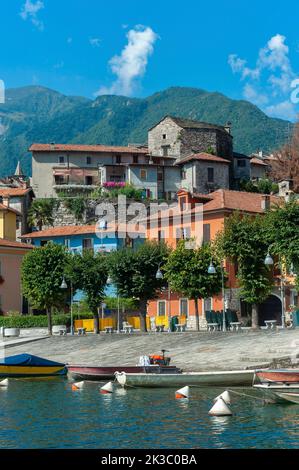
(201, 140)
(182, 142)
(156, 142)
(221, 176)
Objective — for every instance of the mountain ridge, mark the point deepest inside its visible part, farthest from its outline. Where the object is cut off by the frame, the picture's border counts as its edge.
(39, 114)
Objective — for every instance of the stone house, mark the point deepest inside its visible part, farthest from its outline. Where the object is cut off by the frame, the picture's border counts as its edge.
(180, 153)
(179, 138)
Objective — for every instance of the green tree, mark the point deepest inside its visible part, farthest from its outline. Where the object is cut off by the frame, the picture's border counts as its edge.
(282, 230)
(134, 273)
(245, 242)
(187, 272)
(42, 273)
(41, 213)
(88, 272)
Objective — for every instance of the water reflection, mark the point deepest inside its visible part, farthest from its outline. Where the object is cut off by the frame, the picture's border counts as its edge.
(48, 414)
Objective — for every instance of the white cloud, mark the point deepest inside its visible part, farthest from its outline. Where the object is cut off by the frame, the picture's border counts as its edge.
(131, 64)
(268, 84)
(283, 110)
(95, 42)
(250, 93)
(30, 10)
(239, 66)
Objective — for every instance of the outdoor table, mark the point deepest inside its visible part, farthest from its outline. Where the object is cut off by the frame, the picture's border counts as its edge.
(180, 327)
(235, 325)
(81, 331)
(270, 324)
(160, 328)
(108, 329)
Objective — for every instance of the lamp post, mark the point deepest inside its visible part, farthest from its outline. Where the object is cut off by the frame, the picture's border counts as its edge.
(212, 270)
(65, 286)
(109, 283)
(269, 262)
(159, 277)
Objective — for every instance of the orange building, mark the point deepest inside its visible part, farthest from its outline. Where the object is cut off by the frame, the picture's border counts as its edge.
(208, 213)
(11, 255)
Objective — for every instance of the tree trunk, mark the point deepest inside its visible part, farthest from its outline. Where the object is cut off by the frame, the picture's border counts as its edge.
(142, 314)
(49, 315)
(96, 322)
(255, 317)
(196, 315)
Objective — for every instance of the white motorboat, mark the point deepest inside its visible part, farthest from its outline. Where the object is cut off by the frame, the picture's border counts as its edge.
(196, 379)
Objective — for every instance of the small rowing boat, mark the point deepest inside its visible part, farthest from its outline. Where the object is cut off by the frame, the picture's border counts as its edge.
(278, 375)
(152, 364)
(80, 372)
(26, 365)
(199, 379)
(290, 397)
(279, 392)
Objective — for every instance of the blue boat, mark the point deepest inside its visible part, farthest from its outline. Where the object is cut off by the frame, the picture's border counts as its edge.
(26, 365)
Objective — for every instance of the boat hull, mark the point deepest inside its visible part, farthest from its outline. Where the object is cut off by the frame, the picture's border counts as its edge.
(200, 379)
(78, 372)
(31, 371)
(279, 375)
(276, 392)
(289, 397)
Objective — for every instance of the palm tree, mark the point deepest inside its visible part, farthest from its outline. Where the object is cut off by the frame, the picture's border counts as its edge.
(41, 213)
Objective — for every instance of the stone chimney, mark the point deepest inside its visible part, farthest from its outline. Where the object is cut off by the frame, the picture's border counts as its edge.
(265, 202)
(228, 127)
(285, 187)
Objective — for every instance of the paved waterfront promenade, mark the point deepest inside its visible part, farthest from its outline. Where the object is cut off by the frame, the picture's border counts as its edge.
(190, 350)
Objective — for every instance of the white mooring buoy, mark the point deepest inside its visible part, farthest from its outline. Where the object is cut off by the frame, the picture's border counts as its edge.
(4, 383)
(107, 388)
(182, 392)
(225, 396)
(220, 409)
(77, 385)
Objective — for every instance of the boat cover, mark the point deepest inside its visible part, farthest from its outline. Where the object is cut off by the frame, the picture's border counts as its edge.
(27, 360)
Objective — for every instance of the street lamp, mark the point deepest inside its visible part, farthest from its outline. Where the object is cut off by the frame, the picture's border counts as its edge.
(65, 286)
(269, 262)
(212, 270)
(159, 277)
(109, 282)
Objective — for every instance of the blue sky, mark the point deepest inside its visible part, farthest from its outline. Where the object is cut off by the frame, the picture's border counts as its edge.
(244, 49)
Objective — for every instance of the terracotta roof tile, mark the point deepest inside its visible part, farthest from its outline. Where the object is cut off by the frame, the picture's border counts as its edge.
(257, 161)
(13, 244)
(14, 191)
(9, 209)
(237, 200)
(85, 148)
(203, 156)
(61, 231)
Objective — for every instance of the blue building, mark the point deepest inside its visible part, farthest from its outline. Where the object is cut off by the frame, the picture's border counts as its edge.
(79, 238)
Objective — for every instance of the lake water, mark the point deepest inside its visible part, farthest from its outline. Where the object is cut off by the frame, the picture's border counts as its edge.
(46, 413)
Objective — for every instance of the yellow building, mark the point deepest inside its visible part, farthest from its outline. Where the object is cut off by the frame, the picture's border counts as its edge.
(8, 222)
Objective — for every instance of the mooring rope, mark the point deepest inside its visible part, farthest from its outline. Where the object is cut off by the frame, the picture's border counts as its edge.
(246, 395)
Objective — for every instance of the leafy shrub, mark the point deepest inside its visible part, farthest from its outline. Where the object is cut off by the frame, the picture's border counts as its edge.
(76, 206)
